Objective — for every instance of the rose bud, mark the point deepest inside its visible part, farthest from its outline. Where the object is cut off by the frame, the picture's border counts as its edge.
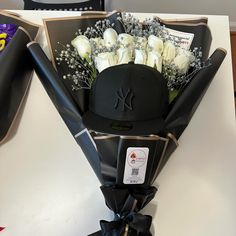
(82, 45)
(183, 60)
(169, 51)
(124, 55)
(104, 60)
(110, 37)
(140, 56)
(155, 60)
(155, 44)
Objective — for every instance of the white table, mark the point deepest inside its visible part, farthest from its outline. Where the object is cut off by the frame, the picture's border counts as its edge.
(47, 187)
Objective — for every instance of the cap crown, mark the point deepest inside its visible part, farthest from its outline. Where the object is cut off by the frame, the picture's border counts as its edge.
(129, 92)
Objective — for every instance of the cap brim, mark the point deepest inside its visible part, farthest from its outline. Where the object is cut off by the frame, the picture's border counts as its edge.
(129, 128)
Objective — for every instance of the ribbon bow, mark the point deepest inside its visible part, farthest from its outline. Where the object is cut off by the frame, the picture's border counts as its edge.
(125, 203)
(134, 224)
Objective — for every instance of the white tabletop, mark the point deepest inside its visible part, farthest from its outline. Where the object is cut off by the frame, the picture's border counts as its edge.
(47, 187)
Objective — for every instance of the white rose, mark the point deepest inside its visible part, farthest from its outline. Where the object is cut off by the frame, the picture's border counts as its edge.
(110, 37)
(155, 43)
(105, 60)
(124, 55)
(169, 51)
(155, 60)
(140, 56)
(82, 45)
(125, 40)
(183, 60)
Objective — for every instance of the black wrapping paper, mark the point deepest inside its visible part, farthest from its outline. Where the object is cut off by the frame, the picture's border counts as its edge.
(64, 104)
(15, 76)
(187, 101)
(112, 151)
(16, 72)
(9, 60)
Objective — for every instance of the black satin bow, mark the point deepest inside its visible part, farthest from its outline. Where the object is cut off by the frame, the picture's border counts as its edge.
(134, 224)
(125, 203)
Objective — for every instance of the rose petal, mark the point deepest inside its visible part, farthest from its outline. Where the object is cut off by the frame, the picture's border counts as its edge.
(169, 51)
(140, 57)
(124, 55)
(82, 45)
(155, 43)
(155, 60)
(105, 60)
(110, 37)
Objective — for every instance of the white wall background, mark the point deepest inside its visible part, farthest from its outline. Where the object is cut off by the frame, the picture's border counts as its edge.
(212, 7)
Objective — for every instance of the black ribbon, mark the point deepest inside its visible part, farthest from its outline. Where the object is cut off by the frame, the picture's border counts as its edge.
(126, 203)
(134, 224)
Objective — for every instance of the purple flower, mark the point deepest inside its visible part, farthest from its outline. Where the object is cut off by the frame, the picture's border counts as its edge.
(6, 33)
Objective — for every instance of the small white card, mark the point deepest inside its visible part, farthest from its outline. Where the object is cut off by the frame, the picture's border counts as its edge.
(135, 165)
(184, 38)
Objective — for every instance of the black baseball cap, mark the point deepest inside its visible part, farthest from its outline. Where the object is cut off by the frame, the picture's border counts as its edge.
(127, 99)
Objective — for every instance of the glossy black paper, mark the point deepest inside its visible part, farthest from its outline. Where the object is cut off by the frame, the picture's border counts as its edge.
(185, 104)
(15, 72)
(112, 151)
(15, 76)
(65, 104)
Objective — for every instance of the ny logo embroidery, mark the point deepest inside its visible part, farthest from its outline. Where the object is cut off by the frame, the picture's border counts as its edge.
(124, 99)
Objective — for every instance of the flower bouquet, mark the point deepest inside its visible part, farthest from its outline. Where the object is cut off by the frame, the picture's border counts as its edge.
(126, 90)
(16, 68)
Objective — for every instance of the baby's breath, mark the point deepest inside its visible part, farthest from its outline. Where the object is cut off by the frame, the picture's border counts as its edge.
(97, 30)
(176, 80)
(82, 71)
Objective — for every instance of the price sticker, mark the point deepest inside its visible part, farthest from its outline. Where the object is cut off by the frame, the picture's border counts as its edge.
(135, 165)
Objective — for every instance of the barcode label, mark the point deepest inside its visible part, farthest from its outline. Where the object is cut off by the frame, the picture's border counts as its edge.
(135, 165)
(135, 172)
